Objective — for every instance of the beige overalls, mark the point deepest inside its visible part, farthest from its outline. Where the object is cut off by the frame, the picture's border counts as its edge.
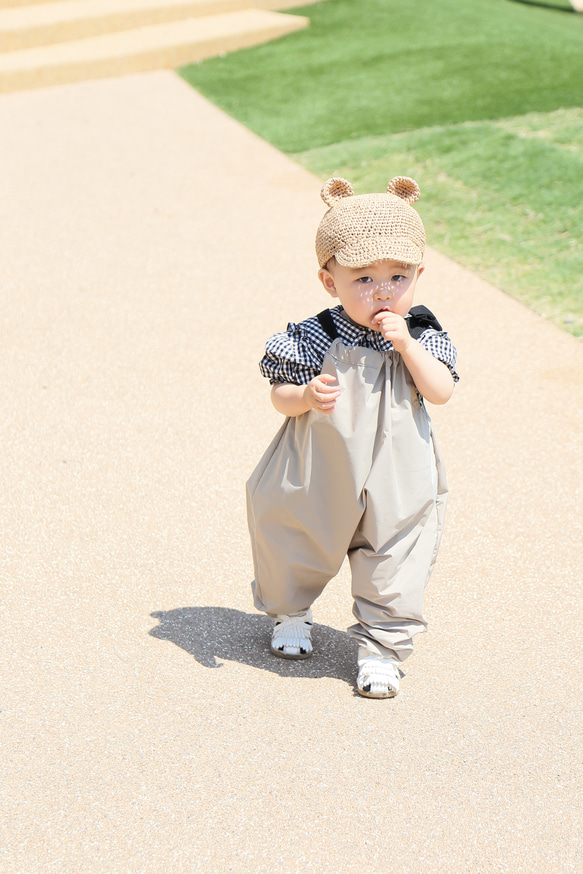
(367, 481)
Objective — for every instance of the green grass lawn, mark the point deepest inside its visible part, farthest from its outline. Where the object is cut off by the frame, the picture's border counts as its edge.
(504, 198)
(461, 95)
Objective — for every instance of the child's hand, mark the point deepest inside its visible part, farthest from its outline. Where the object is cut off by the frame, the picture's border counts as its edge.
(394, 329)
(320, 395)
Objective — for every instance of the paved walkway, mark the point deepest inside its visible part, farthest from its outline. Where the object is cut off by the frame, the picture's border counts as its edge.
(149, 246)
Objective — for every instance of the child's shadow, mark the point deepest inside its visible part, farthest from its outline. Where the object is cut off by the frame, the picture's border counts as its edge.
(211, 633)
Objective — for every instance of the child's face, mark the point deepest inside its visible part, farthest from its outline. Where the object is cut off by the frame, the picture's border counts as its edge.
(366, 291)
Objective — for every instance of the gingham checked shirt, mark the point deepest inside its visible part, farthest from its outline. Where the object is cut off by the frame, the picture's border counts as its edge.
(297, 354)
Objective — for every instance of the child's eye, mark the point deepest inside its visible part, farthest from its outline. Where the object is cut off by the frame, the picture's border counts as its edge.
(398, 278)
(364, 279)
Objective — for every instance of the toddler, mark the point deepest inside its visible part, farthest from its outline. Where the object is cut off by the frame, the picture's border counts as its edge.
(355, 469)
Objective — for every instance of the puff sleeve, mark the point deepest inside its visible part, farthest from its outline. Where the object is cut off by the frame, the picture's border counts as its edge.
(296, 355)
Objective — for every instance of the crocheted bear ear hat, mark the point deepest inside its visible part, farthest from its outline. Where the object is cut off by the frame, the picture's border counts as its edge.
(360, 229)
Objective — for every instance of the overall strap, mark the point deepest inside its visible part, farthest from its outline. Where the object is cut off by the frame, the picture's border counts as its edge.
(327, 323)
(419, 319)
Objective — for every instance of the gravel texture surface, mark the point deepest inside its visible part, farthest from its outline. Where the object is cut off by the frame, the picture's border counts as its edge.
(149, 246)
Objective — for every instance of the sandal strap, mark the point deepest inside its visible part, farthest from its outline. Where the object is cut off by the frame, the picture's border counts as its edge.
(293, 630)
(378, 677)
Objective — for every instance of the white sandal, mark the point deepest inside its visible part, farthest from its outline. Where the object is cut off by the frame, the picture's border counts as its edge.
(377, 677)
(292, 636)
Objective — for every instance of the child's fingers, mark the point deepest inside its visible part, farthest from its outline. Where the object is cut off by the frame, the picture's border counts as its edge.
(323, 394)
(326, 406)
(324, 401)
(328, 390)
(391, 324)
(320, 386)
(328, 395)
(326, 377)
(386, 318)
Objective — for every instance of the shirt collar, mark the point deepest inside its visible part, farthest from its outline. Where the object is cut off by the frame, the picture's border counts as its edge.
(353, 330)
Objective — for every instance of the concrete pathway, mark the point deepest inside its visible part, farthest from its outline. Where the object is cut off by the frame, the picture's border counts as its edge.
(149, 246)
(45, 44)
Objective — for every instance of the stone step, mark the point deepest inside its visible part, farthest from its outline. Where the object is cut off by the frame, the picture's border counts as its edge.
(161, 46)
(47, 23)
(12, 4)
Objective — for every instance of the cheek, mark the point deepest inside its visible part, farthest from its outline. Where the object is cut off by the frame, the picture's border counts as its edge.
(365, 293)
(404, 289)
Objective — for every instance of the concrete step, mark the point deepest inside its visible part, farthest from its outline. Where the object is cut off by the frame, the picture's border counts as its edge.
(147, 48)
(12, 4)
(42, 24)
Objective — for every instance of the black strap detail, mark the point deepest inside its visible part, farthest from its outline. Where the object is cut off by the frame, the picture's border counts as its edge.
(327, 323)
(420, 318)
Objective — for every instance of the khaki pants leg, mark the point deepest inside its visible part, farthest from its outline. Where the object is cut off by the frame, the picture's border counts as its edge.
(302, 509)
(388, 586)
(389, 576)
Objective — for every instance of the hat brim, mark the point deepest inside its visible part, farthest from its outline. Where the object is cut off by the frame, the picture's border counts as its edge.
(379, 249)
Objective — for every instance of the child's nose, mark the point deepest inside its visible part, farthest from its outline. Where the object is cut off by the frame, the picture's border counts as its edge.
(385, 290)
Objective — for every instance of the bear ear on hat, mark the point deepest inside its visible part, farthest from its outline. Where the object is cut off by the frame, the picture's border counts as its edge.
(405, 188)
(335, 189)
